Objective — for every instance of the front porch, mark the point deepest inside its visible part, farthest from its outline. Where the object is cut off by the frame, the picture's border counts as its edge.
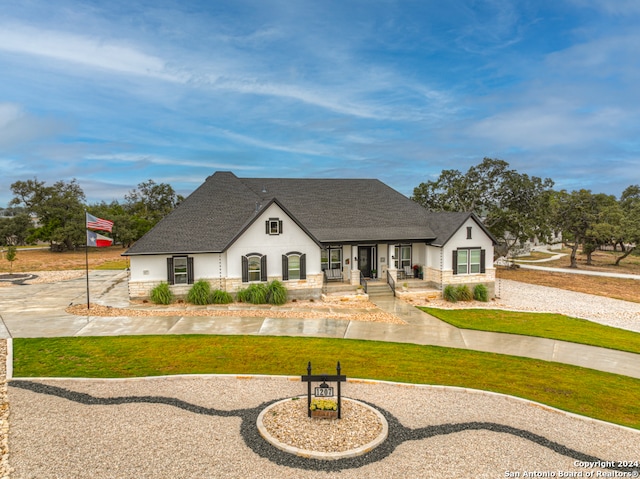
(405, 288)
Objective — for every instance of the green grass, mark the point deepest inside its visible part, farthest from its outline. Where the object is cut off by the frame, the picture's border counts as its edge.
(543, 325)
(597, 394)
(114, 264)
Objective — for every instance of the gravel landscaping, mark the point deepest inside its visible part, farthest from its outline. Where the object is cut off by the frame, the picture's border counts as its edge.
(288, 422)
(205, 427)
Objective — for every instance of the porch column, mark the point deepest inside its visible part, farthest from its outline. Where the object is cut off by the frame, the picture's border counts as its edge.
(392, 262)
(355, 272)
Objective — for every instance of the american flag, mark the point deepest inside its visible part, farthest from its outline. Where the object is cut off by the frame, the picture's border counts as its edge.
(95, 223)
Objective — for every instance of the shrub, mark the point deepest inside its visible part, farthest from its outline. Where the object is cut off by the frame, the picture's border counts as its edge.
(254, 294)
(450, 294)
(480, 293)
(276, 293)
(161, 294)
(199, 292)
(464, 293)
(220, 297)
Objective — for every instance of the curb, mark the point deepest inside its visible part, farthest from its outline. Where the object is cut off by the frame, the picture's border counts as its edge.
(326, 456)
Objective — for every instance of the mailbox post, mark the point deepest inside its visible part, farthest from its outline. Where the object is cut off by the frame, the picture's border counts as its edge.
(324, 390)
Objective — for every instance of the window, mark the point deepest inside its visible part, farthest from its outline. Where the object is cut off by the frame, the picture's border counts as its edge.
(469, 261)
(331, 258)
(468, 232)
(180, 270)
(254, 268)
(463, 261)
(294, 266)
(273, 226)
(402, 256)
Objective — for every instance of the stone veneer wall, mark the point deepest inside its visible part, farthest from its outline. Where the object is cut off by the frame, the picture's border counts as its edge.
(440, 279)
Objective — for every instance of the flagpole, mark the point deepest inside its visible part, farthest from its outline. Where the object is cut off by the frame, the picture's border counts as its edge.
(86, 258)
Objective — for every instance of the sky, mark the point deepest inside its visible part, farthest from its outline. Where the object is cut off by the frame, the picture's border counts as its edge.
(117, 93)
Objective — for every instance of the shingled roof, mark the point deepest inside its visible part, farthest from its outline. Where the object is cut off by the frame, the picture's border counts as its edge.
(445, 224)
(332, 211)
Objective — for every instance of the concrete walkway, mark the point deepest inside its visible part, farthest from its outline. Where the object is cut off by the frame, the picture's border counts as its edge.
(579, 271)
(38, 311)
(532, 264)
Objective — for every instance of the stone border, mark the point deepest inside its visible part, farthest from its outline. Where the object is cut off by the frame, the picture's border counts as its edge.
(327, 456)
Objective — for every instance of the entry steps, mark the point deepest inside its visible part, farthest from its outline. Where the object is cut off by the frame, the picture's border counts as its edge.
(378, 289)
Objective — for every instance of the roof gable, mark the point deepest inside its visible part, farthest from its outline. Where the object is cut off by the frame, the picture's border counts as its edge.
(446, 223)
(328, 210)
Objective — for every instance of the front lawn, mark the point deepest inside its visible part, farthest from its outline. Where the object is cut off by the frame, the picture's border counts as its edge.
(597, 394)
(543, 325)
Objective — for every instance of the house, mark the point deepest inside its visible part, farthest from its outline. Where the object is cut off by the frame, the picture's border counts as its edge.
(235, 231)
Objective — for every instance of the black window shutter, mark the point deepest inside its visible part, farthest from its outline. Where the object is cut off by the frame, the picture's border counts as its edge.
(263, 268)
(170, 270)
(303, 266)
(455, 262)
(285, 267)
(245, 269)
(482, 261)
(190, 269)
(266, 227)
(280, 227)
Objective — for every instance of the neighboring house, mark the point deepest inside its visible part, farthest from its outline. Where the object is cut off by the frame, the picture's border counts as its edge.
(235, 231)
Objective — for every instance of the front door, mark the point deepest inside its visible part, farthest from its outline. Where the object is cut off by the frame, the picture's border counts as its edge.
(364, 260)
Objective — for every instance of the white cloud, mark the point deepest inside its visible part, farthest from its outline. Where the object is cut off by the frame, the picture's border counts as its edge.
(17, 127)
(550, 125)
(612, 7)
(161, 160)
(83, 50)
(307, 149)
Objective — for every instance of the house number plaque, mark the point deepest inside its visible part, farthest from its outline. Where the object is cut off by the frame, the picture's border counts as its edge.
(324, 390)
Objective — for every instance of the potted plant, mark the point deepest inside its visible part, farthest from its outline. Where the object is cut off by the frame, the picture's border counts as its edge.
(374, 273)
(324, 409)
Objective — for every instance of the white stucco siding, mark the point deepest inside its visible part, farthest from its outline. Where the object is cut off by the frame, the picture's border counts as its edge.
(434, 257)
(154, 267)
(418, 254)
(209, 266)
(256, 240)
(459, 240)
(148, 268)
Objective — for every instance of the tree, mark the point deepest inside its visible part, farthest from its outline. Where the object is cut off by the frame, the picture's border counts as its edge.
(126, 227)
(630, 224)
(11, 257)
(576, 214)
(59, 210)
(15, 230)
(515, 207)
(605, 224)
(152, 201)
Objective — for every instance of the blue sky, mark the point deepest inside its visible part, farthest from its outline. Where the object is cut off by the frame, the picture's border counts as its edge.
(116, 93)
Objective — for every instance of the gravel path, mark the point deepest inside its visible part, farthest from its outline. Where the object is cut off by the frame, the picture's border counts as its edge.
(517, 296)
(204, 427)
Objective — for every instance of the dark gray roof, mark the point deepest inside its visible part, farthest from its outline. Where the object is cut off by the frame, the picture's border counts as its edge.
(445, 224)
(330, 210)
